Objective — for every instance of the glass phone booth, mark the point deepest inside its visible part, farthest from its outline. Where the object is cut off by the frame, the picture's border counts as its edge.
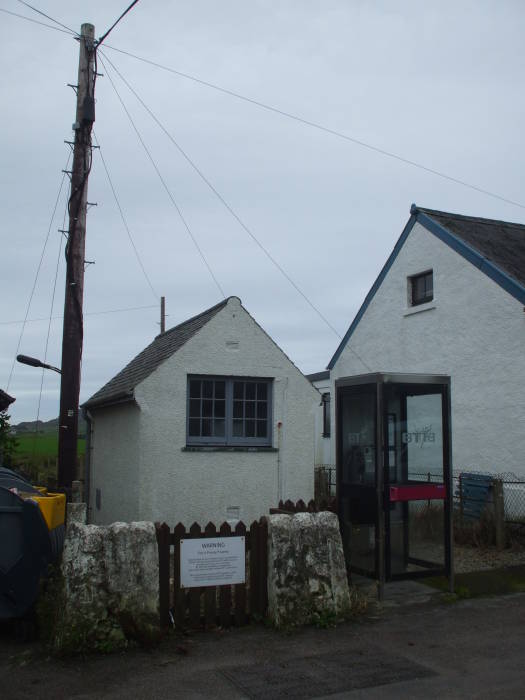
(394, 485)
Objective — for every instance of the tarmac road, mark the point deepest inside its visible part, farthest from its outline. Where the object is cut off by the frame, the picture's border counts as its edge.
(467, 649)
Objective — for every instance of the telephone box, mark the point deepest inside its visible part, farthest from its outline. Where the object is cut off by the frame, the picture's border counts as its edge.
(394, 485)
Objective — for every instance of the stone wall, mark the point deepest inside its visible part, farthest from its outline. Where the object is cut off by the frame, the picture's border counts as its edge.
(109, 588)
(307, 580)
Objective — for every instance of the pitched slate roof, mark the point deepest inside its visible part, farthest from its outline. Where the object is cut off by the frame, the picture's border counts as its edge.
(120, 388)
(501, 242)
(5, 400)
(496, 248)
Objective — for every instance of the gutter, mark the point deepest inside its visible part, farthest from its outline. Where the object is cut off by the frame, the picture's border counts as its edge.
(122, 397)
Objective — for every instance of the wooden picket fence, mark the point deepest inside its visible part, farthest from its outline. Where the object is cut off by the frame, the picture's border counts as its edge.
(210, 606)
(289, 507)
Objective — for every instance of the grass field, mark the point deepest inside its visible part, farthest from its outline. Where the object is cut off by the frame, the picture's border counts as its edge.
(42, 445)
(483, 583)
(36, 457)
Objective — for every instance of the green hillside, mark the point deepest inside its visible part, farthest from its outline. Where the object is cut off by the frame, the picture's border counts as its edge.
(48, 426)
(41, 445)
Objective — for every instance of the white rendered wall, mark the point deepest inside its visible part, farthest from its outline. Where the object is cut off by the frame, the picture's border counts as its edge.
(177, 485)
(115, 464)
(473, 331)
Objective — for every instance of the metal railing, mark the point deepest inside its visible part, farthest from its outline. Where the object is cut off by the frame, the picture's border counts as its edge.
(324, 482)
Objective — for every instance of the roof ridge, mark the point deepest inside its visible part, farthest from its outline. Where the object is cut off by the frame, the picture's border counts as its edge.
(194, 318)
(163, 346)
(466, 217)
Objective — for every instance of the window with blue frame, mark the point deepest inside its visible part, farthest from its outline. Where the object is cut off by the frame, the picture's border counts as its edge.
(421, 288)
(229, 411)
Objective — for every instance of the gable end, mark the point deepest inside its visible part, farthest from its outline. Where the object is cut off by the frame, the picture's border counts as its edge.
(473, 256)
(468, 252)
(371, 294)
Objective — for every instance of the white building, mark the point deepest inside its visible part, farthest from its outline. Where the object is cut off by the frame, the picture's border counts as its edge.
(210, 422)
(450, 300)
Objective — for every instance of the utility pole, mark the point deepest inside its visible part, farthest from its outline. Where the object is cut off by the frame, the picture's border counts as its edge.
(163, 314)
(73, 316)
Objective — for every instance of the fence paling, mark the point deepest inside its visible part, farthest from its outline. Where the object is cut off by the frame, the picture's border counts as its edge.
(240, 588)
(187, 602)
(179, 603)
(288, 507)
(225, 592)
(210, 595)
(195, 593)
(163, 539)
(254, 557)
(263, 568)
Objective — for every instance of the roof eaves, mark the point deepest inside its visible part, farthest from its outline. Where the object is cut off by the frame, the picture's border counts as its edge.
(509, 284)
(5, 400)
(366, 303)
(318, 376)
(104, 402)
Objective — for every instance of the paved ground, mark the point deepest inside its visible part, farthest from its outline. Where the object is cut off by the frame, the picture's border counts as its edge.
(415, 647)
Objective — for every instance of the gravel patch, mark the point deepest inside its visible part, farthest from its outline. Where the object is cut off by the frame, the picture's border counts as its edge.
(468, 559)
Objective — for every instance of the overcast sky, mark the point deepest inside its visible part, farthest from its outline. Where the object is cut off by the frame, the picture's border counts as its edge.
(440, 83)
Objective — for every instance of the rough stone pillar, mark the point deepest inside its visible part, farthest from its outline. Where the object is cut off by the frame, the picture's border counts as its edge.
(307, 579)
(110, 587)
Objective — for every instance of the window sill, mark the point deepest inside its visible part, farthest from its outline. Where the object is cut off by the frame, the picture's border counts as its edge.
(419, 308)
(229, 448)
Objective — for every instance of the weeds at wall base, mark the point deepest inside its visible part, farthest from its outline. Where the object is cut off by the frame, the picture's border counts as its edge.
(325, 618)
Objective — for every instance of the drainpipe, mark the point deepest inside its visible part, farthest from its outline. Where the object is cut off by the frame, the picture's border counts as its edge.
(280, 496)
(281, 466)
(87, 460)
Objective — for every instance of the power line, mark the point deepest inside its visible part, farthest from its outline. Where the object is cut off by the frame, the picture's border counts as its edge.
(220, 197)
(38, 271)
(116, 311)
(49, 328)
(22, 2)
(35, 21)
(115, 23)
(168, 191)
(232, 212)
(325, 129)
(124, 220)
(88, 313)
(281, 112)
(288, 115)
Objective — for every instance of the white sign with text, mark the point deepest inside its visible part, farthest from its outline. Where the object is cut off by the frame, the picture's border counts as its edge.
(212, 561)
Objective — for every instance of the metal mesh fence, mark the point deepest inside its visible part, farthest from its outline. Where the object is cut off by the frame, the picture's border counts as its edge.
(324, 481)
(472, 490)
(470, 499)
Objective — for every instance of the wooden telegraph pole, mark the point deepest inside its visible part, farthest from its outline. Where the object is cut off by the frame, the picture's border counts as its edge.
(73, 317)
(163, 314)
